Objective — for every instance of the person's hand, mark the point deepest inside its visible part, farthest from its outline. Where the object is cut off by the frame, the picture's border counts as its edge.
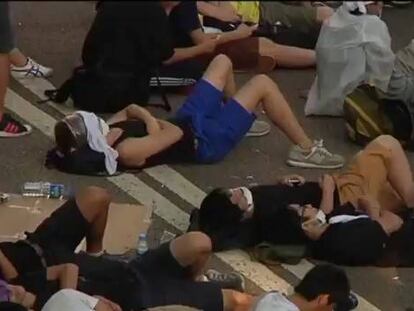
(290, 180)
(245, 31)
(209, 45)
(327, 183)
(109, 303)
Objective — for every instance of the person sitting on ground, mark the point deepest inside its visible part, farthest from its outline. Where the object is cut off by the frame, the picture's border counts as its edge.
(350, 218)
(204, 130)
(305, 20)
(9, 127)
(324, 287)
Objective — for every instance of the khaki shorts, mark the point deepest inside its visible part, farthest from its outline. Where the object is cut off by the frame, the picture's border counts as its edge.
(298, 17)
(367, 175)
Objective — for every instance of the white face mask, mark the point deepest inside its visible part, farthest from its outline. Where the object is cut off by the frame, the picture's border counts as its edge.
(247, 194)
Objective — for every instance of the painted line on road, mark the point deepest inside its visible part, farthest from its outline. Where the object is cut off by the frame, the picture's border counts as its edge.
(259, 274)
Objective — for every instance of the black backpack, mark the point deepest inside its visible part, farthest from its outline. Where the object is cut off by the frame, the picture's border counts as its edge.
(83, 161)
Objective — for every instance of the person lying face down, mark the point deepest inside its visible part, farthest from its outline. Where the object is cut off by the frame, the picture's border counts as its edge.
(210, 124)
(349, 218)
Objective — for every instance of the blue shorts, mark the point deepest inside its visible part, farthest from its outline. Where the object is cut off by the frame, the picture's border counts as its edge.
(218, 127)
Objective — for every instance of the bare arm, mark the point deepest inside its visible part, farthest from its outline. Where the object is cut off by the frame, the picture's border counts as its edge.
(181, 54)
(328, 188)
(66, 274)
(136, 112)
(133, 152)
(7, 268)
(241, 32)
(223, 12)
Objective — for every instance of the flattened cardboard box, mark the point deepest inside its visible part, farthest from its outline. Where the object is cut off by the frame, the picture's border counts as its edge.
(125, 221)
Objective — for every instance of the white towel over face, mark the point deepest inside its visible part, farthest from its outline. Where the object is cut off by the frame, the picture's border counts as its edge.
(97, 129)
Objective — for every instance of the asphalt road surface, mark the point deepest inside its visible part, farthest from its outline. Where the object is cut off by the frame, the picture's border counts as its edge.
(53, 32)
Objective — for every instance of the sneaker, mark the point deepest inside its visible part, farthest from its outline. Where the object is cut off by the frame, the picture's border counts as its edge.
(31, 69)
(231, 280)
(318, 157)
(258, 128)
(9, 127)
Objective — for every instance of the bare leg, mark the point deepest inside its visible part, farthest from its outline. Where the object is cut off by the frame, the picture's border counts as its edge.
(323, 13)
(94, 203)
(192, 250)
(398, 168)
(287, 56)
(17, 58)
(4, 81)
(261, 89)
(220, 74)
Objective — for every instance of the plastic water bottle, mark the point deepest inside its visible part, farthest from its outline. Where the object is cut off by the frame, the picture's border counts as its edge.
(142, 246)
(43, 189)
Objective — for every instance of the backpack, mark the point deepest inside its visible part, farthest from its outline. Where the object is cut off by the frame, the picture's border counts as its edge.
(105, 92)
(368, 116)
(83, 161)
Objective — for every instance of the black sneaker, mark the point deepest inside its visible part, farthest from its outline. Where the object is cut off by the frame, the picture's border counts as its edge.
(231, 280)
(9, 127)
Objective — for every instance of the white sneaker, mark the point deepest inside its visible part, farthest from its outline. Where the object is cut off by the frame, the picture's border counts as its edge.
(31, 70)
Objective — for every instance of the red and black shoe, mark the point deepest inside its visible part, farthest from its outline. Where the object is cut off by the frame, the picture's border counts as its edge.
(9, 127)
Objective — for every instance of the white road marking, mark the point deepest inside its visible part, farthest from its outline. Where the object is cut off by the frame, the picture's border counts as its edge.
(259, 274)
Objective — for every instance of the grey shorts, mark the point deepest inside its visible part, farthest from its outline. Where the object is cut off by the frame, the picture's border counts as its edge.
(301, 18)
(6, 34)
(401, 84)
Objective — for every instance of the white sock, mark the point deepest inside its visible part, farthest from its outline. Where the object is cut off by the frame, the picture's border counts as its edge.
(97, 254)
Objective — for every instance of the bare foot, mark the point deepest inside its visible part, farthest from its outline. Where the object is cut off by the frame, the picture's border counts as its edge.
(370, 206)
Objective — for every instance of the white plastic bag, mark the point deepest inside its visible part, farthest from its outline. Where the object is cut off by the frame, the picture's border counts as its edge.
(350, 49)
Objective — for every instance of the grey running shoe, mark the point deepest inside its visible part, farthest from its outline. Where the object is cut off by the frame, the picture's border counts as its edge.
(318, 157)
(258, 128)
(231, 280)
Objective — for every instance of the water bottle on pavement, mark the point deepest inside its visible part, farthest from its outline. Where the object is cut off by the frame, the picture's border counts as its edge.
(142, 246)
(43, 189)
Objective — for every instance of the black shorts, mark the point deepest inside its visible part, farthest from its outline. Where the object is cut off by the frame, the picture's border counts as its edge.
(60, 233)
(165, 282)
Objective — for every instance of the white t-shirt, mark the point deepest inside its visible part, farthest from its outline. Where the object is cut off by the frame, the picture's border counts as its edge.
(274, 301)
(70, 300)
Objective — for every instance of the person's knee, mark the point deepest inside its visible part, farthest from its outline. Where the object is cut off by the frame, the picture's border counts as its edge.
(262, 81)
(236, 301)
(388, 141)
(223, 61)
(193, 242)
(94, 199)
(323, 13)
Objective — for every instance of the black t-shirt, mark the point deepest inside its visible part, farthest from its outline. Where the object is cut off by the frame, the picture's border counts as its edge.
(182, 151)
(183, 20)
(272, 221)
(128, 37)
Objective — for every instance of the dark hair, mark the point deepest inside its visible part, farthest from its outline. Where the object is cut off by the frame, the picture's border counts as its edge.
(64, 137)
(325, 279)
(11, 306)
(216, 210)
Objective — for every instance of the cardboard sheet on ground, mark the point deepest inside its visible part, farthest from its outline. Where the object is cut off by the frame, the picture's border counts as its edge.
(125, 221)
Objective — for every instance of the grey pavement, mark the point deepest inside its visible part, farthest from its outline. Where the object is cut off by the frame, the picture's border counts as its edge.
(53, 32)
